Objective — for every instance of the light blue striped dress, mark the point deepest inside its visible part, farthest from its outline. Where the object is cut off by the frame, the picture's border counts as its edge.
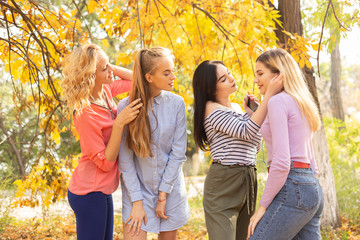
(143, 178)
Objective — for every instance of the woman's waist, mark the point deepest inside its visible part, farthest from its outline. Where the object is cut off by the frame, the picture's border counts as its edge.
(233, 157)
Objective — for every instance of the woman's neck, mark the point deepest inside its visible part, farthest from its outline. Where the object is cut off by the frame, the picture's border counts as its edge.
(154, 92)
(97, 92)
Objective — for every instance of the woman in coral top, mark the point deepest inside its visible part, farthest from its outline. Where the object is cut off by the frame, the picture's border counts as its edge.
(88, 88)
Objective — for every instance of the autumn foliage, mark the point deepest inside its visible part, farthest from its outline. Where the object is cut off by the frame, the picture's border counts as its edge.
(38, 37)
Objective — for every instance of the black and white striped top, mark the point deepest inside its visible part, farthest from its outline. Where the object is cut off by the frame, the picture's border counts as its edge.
(233, 137)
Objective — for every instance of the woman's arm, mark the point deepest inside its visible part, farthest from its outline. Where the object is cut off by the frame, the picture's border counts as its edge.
(123, 73)
(92, 139)
(275, 86)
(237, 127)
(177, 154)
(127, 115)
(131, 182)
(176, 158)
(280, 159)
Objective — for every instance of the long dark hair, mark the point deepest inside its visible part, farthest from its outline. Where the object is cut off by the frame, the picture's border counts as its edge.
(204, 88)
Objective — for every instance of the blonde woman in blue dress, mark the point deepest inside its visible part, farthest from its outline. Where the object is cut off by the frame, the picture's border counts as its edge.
(150, 160)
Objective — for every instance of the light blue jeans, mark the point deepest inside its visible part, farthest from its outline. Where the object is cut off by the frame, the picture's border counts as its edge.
(295, 211)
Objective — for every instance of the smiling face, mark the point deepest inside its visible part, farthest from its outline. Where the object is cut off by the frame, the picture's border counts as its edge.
(104, 71)
(263, 76)
(225, 84)
(162, 78)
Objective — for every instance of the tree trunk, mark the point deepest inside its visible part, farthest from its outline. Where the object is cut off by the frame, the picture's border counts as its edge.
(335, 92)
(291, 14)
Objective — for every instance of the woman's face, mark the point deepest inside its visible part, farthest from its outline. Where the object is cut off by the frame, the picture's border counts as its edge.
(163, 76)
(263, 76)
(104, 71)
(225, 84)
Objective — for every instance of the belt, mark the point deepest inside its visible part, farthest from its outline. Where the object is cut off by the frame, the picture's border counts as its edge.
(300, 165)
(296, 164)
(234, 165)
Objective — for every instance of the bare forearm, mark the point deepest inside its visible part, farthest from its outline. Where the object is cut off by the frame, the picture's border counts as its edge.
(123, 72)
(259, 116)
(113, 146)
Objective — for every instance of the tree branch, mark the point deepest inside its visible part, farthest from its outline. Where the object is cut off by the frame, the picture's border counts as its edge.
(162, 22)
(321, 35)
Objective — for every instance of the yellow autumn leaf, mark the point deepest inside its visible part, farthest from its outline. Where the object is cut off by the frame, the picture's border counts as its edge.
(78, 24)
(91, 6)
(74, 12)
(105, 42)
(302, 63)
(123, 59)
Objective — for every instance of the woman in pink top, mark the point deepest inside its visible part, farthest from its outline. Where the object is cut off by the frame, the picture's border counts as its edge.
(88, 88)
(292, 202)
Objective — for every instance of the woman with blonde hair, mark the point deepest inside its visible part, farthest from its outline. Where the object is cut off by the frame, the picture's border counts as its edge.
(153, 187)
(88, 88)
(292, 202)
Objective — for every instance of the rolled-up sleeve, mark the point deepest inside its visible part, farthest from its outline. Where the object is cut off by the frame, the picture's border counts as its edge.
(127, 165)
(92, 141)
(177, 154)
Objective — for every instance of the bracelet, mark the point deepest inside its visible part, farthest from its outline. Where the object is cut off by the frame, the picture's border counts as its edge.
(161, 200)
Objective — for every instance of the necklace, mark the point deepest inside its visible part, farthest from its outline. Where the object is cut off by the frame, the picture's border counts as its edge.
(106, 105)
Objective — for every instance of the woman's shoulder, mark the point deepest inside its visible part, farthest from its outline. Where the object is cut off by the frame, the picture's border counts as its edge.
(212, 107)
(281, 97)
(236, 107)
(87, 114)
(123, 103)
(170, 95)
(283, 101)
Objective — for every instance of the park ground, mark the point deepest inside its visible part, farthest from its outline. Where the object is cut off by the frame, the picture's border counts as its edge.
(58, 222)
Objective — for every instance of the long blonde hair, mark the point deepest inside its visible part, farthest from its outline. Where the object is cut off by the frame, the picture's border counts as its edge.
(278, 60)
(146, 61)
(79, 71)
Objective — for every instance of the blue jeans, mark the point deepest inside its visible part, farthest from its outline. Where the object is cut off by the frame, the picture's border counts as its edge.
(94, 215)
(295, 211)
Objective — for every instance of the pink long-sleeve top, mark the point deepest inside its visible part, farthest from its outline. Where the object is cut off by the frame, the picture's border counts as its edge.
(94, 172)
(288, 138)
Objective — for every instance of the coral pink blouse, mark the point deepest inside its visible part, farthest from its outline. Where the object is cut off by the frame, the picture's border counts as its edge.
(94, 172)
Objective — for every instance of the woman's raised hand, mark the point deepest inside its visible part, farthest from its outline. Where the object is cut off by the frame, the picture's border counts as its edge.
(129, 113)
(275, 85)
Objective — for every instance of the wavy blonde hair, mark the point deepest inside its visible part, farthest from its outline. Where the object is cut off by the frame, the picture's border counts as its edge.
(79, 77)
(146, 61)
(278, 60)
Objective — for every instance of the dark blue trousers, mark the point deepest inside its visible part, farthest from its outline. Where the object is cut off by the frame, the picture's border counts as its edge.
(94, 215)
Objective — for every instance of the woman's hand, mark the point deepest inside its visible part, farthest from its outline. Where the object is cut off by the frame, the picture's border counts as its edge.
(160, 206)
(128, 114)
(275, 85)
(247, 98)
(254, 220)
(136, 217)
